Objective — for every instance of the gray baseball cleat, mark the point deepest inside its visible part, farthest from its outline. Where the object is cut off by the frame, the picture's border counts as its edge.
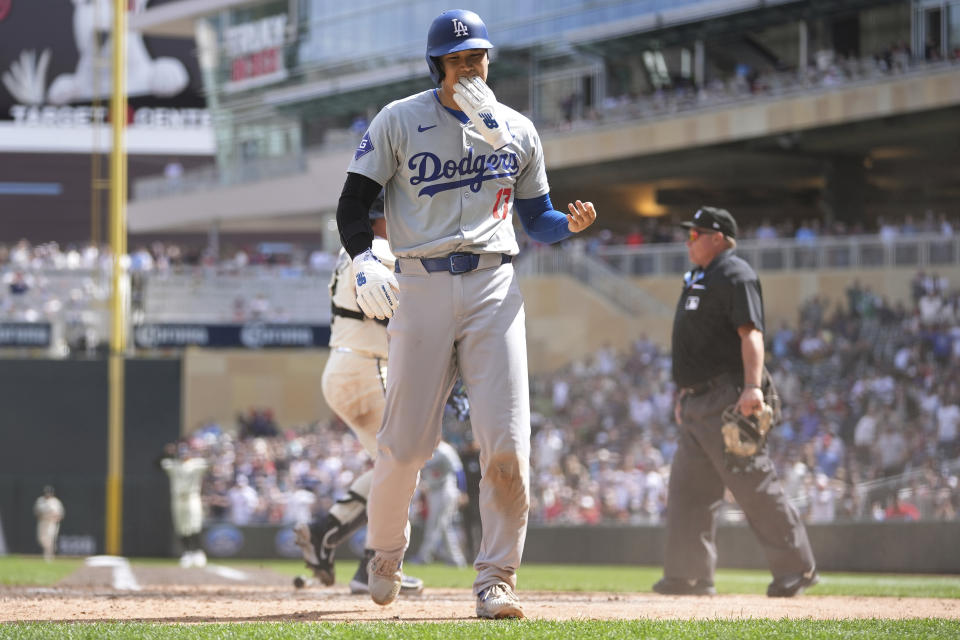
(498, 601)
(409, 586)
(384, 577)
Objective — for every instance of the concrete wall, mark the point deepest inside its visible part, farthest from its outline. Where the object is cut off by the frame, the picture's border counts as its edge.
(53, 430)
(220, 383)
(896, 547)
(568, 321)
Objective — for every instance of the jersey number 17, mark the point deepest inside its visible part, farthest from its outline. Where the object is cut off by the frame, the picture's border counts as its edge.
(502, 206)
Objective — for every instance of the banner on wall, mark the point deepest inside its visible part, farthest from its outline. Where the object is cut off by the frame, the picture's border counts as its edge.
(56, 80)
(25, 334)
(248, 336)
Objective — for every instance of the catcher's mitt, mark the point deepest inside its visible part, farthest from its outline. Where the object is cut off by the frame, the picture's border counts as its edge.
(744, 436)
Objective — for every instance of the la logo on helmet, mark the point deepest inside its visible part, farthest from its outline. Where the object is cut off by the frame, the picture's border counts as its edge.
(459, 29)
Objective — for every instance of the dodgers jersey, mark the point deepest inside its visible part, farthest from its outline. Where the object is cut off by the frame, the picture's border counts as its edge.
(446, 189)
(365, 336)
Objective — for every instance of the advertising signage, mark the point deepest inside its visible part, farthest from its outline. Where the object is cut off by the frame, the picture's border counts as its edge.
(56, 77)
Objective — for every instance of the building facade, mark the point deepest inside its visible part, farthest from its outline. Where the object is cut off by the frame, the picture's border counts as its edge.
(292, 84)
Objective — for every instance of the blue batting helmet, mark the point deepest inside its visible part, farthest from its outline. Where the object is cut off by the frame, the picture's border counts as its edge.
(454, 30)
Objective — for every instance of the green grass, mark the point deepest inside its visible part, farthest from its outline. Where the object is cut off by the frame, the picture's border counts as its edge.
(623, 578)
(33, 570)
(506, 630)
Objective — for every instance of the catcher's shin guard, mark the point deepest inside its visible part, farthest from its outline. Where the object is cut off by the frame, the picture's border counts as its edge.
(346, 517)
(319, 542)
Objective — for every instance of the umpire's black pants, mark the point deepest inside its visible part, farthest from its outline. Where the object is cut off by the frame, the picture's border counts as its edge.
(698, 476)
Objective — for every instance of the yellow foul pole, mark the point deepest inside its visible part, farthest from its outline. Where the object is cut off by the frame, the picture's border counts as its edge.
(118, 316)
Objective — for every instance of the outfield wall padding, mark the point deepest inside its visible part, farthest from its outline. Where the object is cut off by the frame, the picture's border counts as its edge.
(53, 430)
(890, 547)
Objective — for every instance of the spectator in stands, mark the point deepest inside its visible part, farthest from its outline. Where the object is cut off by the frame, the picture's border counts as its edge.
(890, 450)
(244, 501)
(888, 231)
(865, 433)
(18, 284)
(945, 499)
(948, 424)
(216, 501)
(635, 237)
(766, 231)
(141, 260)
(898, 509)
(806, 233)
(822, 500)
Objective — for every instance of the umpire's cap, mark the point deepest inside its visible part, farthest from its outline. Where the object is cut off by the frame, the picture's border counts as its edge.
(715, 219)
(376, 209)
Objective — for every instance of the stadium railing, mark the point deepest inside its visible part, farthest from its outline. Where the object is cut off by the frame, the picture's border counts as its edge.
(922, 250)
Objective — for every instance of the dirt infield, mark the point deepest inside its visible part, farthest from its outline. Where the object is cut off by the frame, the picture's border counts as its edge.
(219, 594)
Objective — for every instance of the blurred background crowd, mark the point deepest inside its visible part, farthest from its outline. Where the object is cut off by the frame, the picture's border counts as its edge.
(71, 285)
(870, 429)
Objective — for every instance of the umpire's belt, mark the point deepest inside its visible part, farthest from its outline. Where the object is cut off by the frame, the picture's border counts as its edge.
(702, 387)
(455, 263)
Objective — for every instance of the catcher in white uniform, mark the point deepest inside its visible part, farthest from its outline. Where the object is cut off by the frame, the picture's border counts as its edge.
(49, 512)
(353, 385)
(186, 472)
(455, 166)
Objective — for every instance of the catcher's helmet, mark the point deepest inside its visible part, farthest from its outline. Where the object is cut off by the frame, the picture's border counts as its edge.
(454, 30)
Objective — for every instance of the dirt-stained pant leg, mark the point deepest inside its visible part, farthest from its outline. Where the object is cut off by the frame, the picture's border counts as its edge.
(492, 353)
(694, 493)
(419, 380)
(758, 492)
(353, 387)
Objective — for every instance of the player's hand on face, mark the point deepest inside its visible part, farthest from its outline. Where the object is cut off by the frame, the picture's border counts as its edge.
(377, 288)
(581, 216)
(476, 100)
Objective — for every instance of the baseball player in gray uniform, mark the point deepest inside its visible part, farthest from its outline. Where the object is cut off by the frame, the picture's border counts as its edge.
(456, 166)
(353, 385)
(440, 484)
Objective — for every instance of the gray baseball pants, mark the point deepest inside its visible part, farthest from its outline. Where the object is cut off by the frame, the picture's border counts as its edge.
(698, 476)
(474, 323)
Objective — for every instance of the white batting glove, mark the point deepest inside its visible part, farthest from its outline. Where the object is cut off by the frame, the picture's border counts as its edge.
(377, 288)
(476, 100)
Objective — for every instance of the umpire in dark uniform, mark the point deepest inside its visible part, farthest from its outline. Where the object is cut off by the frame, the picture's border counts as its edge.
(718, 362)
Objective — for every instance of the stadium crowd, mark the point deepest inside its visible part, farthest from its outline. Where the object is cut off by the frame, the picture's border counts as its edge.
(826, 69)
(23, 259)
(69, 287)
(870, 430)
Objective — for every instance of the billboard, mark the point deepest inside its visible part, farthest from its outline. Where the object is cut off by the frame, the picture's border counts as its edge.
(56, 79)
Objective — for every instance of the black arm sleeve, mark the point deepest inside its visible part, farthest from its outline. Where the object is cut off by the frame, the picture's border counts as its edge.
(353, 213)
